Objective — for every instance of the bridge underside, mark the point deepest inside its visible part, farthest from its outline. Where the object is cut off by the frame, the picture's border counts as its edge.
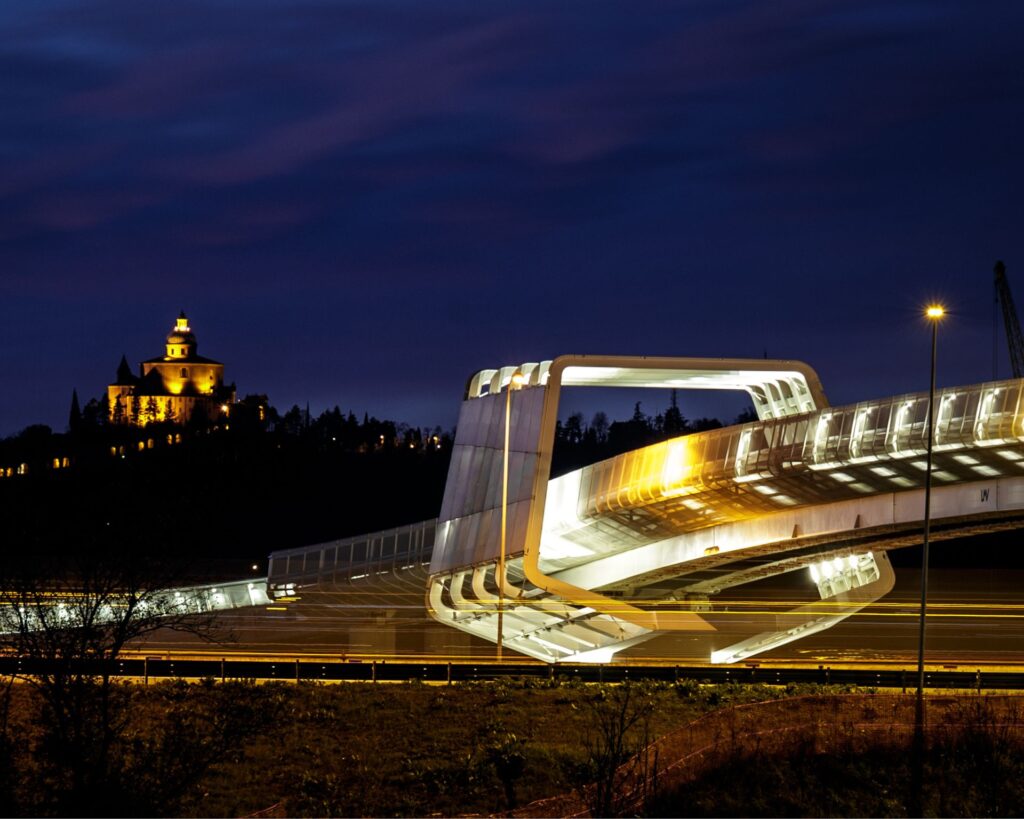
(849, 570)
(380, 600)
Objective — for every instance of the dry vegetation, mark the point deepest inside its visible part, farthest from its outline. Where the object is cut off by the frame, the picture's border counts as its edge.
(238, 749)
(337, 750)
(854, 756)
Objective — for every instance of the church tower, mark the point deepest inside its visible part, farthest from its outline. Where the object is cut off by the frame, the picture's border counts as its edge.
(177, 386)
(181, 341)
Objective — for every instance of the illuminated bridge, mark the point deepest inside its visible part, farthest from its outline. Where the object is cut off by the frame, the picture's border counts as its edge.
(618, 552)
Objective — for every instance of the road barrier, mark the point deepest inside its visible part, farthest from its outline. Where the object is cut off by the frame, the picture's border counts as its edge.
(447, 672)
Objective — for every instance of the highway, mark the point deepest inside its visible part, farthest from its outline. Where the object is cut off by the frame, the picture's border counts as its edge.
(976, 620)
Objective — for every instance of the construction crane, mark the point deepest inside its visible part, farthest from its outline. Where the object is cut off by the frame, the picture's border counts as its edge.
(1013, 335)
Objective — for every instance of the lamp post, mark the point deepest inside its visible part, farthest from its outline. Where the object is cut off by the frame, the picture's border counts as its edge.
(934, 314)
(517, 380)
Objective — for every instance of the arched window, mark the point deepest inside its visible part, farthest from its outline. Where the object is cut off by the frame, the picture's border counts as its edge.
(184, 372)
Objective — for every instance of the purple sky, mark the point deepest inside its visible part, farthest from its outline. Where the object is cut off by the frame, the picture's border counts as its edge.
(362, 203)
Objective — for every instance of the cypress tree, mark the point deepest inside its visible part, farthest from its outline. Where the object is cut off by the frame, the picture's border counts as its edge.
(75, 415)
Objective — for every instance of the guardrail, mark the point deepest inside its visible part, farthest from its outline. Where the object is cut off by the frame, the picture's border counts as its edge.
(390, 671)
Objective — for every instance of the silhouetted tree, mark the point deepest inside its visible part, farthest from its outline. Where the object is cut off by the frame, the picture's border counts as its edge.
(96, 413)
(149, 414)
(572, 432)
(636, 432)
(674, 424)
(75, 414)
(293, 421)
(36, 439)
(69, 618)
(102, 417)
(617, 743)
(747, 416)
(89, 413)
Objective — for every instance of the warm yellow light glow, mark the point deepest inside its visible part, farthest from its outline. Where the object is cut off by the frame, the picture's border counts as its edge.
(935, 311)
(519, 379)
(181, 325)
(676, 468)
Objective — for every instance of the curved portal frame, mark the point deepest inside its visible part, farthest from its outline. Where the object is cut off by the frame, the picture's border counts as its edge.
(777, 388)
(468, 520)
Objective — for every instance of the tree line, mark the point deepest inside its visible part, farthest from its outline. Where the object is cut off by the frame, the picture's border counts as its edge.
(232, 490)
(258, 481)
(578, 443)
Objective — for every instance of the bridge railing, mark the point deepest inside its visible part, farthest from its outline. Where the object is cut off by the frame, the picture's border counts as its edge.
(340, 561)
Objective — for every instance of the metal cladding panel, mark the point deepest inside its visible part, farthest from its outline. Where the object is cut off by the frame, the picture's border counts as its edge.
(908, 506)
(1011, 494)
(873, 511)
(969, 499)
(469, 528)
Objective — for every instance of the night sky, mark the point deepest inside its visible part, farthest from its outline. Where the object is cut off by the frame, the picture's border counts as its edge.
(362, 203)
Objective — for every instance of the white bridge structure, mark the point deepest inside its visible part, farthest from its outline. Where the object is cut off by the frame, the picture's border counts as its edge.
(638, 545)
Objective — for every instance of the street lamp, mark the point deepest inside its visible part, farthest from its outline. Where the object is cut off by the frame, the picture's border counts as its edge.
(934, 314)
(517, 380)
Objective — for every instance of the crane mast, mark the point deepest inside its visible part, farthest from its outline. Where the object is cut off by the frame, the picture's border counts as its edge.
(1014, 339)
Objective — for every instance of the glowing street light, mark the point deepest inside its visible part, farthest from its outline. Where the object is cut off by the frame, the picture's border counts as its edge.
(517, 380)
(934, 313)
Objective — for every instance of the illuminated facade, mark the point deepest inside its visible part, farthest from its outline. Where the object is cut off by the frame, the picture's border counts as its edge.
(178, 386)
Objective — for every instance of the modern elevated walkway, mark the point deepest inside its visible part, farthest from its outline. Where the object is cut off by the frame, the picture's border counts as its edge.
(662, 529)
(634, 545)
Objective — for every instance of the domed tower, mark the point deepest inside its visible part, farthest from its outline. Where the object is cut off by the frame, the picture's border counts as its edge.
(181, 341)
(177, 386)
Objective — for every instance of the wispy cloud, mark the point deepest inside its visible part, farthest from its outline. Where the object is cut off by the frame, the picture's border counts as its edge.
(613, 159)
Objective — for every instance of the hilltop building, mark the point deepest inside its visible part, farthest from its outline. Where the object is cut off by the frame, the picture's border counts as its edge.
(178, 386)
